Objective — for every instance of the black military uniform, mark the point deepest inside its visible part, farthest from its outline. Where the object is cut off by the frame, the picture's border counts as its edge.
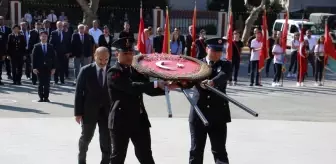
(215, 109)
(6, 30)
(16, 51)
(44, 60)
(128, 118)
(3, 45)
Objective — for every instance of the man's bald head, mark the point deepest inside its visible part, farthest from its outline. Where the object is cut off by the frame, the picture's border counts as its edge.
(102, 55)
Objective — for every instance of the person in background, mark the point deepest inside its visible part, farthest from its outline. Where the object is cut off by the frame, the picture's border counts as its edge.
(279, 34)
(319, 61)
(112, 23)
(150, 34)
(295, 45)
(312, 42)
(46, 27)
(201, 45)
(304, 51)
(92, 105)
(67, 36)
(44, 63)
(189, 41)
(271, 41)
(181, 38)
(106, 40)
(27, 61)
(126, 33)
(95, 32)
(3, 45)
(158, 41)
(29, 18)
(37, 17)
(62, 17)
(81, 46)
(255, 31)
(52, 18)
(34, 38)
(175, 44)
(256, 45)
(236, 55)
(148, 42)
(16, 51)
(93, 44)
(278, 54)
(7, 31)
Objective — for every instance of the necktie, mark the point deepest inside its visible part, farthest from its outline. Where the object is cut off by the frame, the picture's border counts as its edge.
(100, 77)
(44, 49)
(82, 38)
(60, 35)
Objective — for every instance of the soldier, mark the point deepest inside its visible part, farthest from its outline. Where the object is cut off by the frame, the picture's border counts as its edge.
(215, 109)
(3, 45)
(6, 30)
(16, 51)
(128, 118)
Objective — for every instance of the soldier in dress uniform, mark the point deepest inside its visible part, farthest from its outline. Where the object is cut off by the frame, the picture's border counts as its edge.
(128, 118)
(3, 45)
(16, 51)
(215, 109)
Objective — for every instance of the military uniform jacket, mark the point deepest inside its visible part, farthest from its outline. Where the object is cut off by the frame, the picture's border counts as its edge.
(215, 108)
(16, 45)
(126, 87)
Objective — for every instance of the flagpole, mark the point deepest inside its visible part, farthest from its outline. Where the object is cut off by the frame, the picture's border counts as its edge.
(325, 54)
(229, 9)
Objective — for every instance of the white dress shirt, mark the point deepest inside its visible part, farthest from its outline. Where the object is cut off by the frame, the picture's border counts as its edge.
(95, 33)
(255, 55)
(312, 42)
(28, 17)
(278, 59)
(319, 49)
(52, 18)
(104, 72)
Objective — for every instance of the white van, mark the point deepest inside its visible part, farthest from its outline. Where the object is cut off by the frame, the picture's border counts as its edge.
(295, 25)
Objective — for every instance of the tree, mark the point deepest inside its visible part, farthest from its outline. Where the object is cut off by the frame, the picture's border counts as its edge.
(254, 7)
(89, 10)
(4, 7)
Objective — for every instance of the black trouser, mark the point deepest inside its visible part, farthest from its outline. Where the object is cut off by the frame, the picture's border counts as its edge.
(217, 135)
(141, 140)
(66, 67)
(235, 68)
(28, 69)
(1, 63)
(278, 72)
(8, 67)
(319, 63)
(17, 64)
(59, 73)
(104, 139)
(249, 64)
(268, 63)
(34, 78)
(311, 60)
(254, 70)
(293, 62)
(44, 83)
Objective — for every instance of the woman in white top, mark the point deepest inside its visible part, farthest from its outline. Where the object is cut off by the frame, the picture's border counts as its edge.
(256, 45)
(294, 51)
(278, 61)
(319, 61)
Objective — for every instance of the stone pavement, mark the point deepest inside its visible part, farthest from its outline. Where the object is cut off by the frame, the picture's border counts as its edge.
(55, 140)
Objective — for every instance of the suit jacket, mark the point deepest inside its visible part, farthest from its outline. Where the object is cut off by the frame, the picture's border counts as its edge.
(90, 97)
(182, 39)
(16, 45)
(7, 32)
(200, 49)
(189, 44)
(126, 87)
(158, 43)
(43, 61)
(81, 49)
(215, 108)
(60, 46)
(34, 38)
(3, 45)
(102, 42)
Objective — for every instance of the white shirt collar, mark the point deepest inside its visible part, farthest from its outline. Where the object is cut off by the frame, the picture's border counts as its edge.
(98, 68)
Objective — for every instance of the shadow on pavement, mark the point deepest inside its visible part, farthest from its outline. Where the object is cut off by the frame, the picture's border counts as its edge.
(19, 109)
(62, 104)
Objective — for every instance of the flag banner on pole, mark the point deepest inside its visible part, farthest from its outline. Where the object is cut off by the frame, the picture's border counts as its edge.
(265, 45)
(166, 37)
(194, 23)
(141, 36)
(229, 36)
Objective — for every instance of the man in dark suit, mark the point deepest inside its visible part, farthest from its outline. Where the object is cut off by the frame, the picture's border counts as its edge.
(158, 41)
(6, 30)
(92, 105)
(16, 51)
(181, 38)
(3, 45)
(61, 47)
(34, 38)
(27, 61)
(44, 62)
(46, 27)
(215, 109)
(67, 36)
(128, 118)
(189, 41)
(81, 46)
